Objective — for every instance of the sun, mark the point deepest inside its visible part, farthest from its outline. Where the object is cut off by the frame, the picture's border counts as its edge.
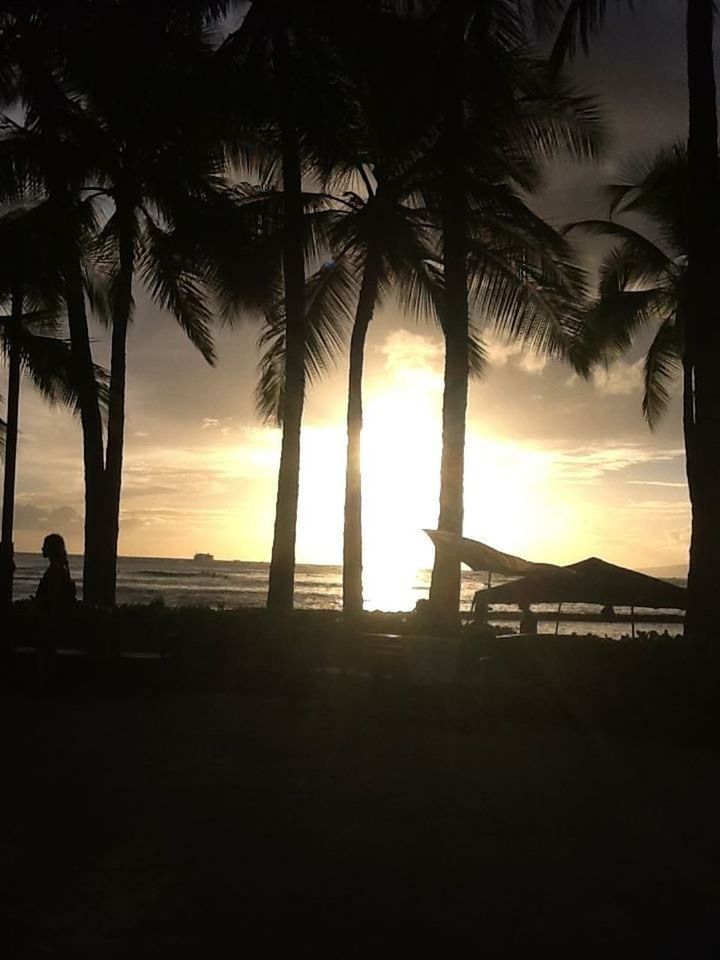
(511, 499)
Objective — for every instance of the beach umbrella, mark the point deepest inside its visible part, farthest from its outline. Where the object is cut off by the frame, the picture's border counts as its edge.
(592, 581)
(479, 556)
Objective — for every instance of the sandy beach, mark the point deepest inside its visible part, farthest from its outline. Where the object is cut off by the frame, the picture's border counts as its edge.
(140, 824)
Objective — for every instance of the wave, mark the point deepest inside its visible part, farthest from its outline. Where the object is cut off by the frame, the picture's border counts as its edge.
(176, 574)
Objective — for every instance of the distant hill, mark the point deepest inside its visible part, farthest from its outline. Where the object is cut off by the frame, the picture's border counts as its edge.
(676, 571)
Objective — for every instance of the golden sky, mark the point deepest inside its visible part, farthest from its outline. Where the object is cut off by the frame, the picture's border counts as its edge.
(556, 469)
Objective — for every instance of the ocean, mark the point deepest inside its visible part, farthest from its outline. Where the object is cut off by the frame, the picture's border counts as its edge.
(224, 584)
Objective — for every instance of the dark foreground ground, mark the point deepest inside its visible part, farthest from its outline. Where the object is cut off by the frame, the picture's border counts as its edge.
(212, 824)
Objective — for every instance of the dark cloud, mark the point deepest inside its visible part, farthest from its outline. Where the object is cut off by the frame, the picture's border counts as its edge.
(29, 516)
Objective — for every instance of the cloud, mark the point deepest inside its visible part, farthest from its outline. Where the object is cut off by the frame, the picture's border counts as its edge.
(590, 464)
(621, 379)
(414, 361)
(681, 485)
(662, 507)
(30, 516)
(200, 470)
(224, 425)
(501, 353)
(405, 350)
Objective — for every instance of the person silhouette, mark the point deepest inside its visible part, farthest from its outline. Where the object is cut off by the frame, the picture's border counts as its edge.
(55, 598)
(528, 620)
(56, 590)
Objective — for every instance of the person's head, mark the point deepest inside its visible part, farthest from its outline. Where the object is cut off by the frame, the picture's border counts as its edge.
(53, 548)
(525, 606)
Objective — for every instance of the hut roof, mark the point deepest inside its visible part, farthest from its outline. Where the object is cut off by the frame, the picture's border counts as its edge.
(591, 581)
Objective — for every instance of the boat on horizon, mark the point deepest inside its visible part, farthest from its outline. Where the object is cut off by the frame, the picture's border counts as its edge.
(203, 558)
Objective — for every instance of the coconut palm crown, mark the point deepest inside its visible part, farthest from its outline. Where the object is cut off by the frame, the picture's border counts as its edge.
(643, 277)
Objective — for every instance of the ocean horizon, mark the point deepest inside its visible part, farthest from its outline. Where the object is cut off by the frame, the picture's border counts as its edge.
(227, 584)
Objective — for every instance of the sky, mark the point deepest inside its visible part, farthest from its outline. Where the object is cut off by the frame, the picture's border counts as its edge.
(557, 469)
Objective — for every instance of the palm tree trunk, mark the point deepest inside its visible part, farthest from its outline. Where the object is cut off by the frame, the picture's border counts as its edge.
(445, 583)
(352, 535)
(688, 419)
(112, 492)
(702, 326)
(282, 563)
(7, 567)
(92, 431)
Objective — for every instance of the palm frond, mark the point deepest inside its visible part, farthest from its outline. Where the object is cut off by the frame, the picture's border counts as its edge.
(46, 321)
(238, 239)
(270, 388)
(520, 302)
(331, 294)
(641, 257)
(176, 287)
(657, 188)
(661, 368)
(420, 291)
(503, 222)
(610, 324)
(554, 117)
(47, 362)
(524, 279)
(579, 21)
(98, 295)
(477, 354)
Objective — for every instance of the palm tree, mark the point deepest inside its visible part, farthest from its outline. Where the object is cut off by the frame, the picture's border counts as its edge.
(11, 434)
(120, 99)
(385, 237)
(500, 112)
(389, 245)
(385, 240)
(31, 282)
(296, 79)
(643, 282)
(703, 340)
(37, 156)
(156, 161)
(285, 48)
(580, 18)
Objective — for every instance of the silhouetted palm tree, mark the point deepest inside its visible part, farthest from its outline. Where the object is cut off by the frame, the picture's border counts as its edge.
(501, 112)
(376, 238)
(386, 238)
(31, 284)
(643, 281)
(39, 154)
(156, 162)
(702, 335)
(120, 99)
(285, 47)
(580, 18)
